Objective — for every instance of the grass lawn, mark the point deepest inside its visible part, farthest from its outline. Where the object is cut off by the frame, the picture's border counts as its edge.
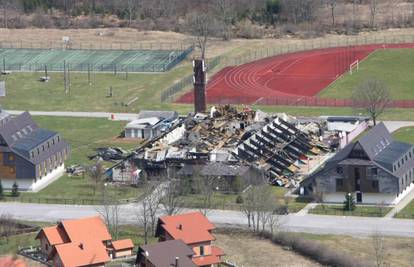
(405, 134)
(83, 135)
(24, 92)
(364, 211)
(228, 201)
(392, 66)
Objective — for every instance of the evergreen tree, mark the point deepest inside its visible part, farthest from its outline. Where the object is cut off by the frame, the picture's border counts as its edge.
(1, 190)
(349, 203)
(15, 190)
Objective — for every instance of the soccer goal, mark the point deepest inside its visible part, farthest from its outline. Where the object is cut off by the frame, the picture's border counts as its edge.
(354, 67)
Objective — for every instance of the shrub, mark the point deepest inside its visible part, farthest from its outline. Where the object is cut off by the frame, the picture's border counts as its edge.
(15, 190)
(239, 199)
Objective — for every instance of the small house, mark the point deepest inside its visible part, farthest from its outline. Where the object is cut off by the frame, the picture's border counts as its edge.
(150, 124)
(81, 242)
(174, 253)
(195, 230)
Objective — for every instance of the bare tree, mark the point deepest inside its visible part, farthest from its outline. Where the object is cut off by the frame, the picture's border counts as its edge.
(7, 226)
(170, 199)
(110, 211)
(203, 26)
(205, 187)
(332, 6)
(373, 8)
(373, 96)
(225, 12)
(96, 174)
(378, 245)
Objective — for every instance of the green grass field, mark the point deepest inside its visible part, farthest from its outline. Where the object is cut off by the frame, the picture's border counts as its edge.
(84, 135)
(405, 134)
(393, 66)
(364, 211)
(25, 92)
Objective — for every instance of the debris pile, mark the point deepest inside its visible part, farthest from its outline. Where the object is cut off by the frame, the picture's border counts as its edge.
(109, 154)
(257, 139)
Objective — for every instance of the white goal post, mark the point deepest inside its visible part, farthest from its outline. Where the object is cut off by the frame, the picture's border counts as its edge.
(354, 65)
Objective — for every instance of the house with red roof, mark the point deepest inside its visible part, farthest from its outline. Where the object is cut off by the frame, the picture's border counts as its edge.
(195, 230)
(81, 242)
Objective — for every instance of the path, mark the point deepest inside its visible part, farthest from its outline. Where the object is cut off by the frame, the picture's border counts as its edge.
(401, 205)
(106, 115)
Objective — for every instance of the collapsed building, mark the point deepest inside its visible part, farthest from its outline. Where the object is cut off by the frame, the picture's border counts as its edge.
(230, 144)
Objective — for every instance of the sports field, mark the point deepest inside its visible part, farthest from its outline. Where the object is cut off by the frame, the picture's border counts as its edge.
(95, 60)
(299, 77)
(392, 66)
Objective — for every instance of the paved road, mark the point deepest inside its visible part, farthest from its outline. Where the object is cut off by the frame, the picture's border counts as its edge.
(107, 115)
(395, 125)
(318, 224)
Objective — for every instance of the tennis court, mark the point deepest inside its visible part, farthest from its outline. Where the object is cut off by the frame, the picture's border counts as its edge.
(93, 60)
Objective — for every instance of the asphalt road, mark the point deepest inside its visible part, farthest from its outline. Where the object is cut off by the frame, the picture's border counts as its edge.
(317, 224)
(106, 115)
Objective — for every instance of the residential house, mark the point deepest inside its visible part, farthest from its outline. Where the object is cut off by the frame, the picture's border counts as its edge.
(150, 124)
(81, 242)
(377, 169)
(195, 230)
(173, 253)
(30, 156)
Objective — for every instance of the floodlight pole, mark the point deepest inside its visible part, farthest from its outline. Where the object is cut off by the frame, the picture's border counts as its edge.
(89, 74)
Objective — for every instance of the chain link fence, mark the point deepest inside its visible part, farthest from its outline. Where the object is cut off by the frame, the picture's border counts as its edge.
(97, 45)
(168, 94)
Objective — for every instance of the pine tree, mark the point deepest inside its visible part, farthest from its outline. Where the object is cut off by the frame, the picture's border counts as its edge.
(349, 203)
(15, 190)
(1, 190)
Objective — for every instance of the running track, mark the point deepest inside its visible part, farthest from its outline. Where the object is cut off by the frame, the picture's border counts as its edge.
(296, 74)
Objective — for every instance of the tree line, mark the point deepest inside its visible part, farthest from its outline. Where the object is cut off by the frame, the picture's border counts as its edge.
(239, 18)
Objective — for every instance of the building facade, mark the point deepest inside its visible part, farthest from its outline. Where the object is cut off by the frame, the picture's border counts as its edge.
(30, 156)
(377, 169)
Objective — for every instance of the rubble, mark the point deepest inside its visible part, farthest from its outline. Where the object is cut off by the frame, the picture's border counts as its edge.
(109, 154)
(269, 143)
(75, 170)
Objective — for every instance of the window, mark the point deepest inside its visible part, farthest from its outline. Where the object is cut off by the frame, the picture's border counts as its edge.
(32, 154)
(339, 170)
(339, 183)
(43, 148)
(11, 158)
(406, 157)
(375, 184)
(48, 145)
(38, 151)
(201, 250)
(58, 138)
(374, 171)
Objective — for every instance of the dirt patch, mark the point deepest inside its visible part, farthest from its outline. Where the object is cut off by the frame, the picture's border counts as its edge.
(398, 250)
(244, 249)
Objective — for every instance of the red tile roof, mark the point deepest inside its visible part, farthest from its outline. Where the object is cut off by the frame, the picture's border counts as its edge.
(82, 253)
(79, 242)
(214, 258)
(123, 244)
(54, 234)
(11, 262)
(91, 228)
(190, 227)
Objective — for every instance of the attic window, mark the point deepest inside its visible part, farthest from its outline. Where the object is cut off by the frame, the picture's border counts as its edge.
(339, 170)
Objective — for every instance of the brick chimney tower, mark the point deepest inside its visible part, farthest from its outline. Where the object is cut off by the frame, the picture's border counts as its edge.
(200, 80)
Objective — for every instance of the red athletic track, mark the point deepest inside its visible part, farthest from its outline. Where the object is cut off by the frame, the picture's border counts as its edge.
(286, 76)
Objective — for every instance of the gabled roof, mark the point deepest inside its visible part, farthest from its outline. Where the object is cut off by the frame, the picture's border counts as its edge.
(191, 227)
(83, 253)
(14, 125)
(122, 244)
(54, 234)
(91, 228)
(392, 153)
(164, 115)
(163, 254)
(214, 258)
(377, 139)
